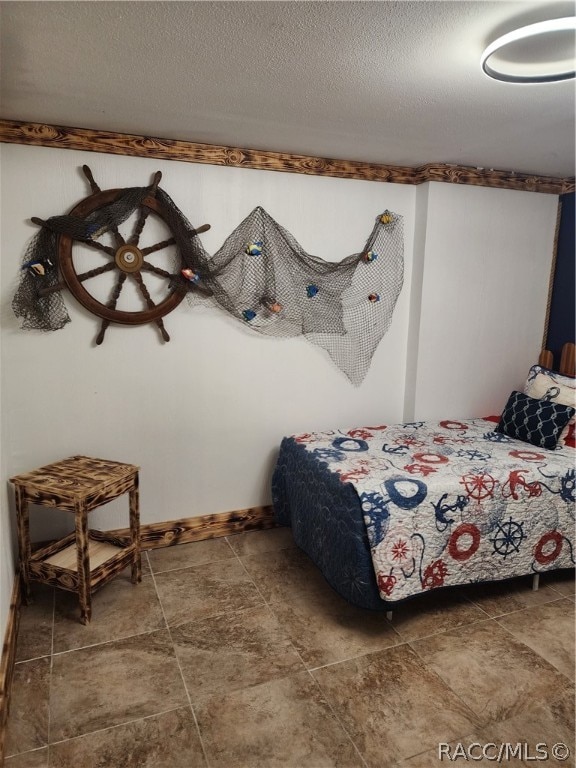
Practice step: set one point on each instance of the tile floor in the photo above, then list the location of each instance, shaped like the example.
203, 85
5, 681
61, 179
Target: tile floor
234, 653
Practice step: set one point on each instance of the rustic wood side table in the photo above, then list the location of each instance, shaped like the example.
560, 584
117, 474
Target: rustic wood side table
86, 559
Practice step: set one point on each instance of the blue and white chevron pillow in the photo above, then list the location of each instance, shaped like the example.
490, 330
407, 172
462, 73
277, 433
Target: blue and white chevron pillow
538, 422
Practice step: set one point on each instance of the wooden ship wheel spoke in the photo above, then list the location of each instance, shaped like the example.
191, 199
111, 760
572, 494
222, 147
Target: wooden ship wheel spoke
157, 246
125, 256
100, 247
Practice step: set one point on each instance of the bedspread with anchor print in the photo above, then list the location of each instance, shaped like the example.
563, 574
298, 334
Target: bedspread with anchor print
453, 502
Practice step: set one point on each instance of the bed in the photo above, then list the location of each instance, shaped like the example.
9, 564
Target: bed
389, 512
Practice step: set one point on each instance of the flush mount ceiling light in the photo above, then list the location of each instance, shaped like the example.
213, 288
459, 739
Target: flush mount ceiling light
537, 53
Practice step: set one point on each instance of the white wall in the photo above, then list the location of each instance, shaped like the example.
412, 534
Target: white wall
204, 414
415, 300
487, 261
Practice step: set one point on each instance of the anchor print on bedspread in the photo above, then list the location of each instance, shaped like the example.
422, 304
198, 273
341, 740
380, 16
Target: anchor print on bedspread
453, 502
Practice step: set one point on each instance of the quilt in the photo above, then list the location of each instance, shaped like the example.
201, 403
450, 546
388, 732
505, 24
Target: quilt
443, 503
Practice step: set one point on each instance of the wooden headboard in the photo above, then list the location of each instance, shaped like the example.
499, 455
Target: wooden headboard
567, 360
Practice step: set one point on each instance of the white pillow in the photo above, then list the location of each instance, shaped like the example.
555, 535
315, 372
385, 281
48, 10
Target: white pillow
544, 384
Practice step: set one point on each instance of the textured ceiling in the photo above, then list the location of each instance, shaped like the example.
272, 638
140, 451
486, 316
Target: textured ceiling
397, 83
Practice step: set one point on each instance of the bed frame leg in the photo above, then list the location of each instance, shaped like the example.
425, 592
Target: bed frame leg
535, 582
389, 615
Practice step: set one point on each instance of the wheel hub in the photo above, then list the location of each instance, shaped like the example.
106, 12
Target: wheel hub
129, 258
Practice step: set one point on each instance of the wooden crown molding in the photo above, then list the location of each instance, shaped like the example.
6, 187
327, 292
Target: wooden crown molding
40, 134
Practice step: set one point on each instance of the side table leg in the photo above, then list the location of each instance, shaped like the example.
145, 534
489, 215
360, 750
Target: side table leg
23, 519
83, 561
135, 530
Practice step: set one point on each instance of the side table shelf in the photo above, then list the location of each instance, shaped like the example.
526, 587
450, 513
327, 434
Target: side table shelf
57, 563
86, 559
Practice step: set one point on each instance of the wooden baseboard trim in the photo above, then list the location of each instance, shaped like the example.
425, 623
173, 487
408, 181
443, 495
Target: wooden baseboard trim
189, 529
88, 140
7, 661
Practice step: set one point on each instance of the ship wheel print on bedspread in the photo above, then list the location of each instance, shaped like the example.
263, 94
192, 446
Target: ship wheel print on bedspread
508, 537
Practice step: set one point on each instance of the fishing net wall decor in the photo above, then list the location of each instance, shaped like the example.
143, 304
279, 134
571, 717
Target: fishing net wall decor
261, 275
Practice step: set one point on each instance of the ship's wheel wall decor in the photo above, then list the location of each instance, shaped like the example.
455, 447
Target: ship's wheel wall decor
260, 275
